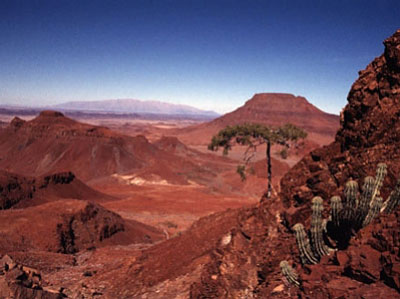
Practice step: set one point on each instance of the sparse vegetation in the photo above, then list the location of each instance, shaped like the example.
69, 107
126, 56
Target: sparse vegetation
252, 136
241, 171
283, 153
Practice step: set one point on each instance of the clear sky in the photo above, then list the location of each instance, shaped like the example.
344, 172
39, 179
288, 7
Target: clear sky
213, 55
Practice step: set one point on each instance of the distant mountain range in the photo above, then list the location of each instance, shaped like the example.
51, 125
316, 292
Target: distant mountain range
133, 106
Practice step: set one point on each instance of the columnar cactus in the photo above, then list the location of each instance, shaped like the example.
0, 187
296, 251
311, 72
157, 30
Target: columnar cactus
336, 207
393, 201
374, 211
289, 273
381, 172
351, 194
364, 204
318, 246
324, 226
303, 243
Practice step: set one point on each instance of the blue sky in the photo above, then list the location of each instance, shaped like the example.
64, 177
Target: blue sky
213, 55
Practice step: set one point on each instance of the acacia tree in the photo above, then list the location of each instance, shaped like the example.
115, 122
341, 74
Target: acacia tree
252, 136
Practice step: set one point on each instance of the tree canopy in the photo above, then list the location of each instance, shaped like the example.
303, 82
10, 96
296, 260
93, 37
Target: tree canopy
253, 135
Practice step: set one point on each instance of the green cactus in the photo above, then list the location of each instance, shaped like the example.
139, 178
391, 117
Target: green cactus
364, 204
351, 194
303, 243
289, 273
336, 207
381, 172
346, 217
393, 201
318, 246
374, 211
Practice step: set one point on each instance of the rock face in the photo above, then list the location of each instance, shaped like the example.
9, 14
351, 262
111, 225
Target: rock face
371, 117
369, 267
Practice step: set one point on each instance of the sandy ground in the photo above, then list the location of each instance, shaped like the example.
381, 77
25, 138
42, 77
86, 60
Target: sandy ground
172, 208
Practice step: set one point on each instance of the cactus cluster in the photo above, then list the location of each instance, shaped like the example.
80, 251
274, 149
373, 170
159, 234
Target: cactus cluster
346, 217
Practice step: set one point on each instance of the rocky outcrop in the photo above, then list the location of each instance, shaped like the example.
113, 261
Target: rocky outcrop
20, 192
371, 116
65, 226
14, 188
86, 227
369, 134
57, 178
19, 281
17, 123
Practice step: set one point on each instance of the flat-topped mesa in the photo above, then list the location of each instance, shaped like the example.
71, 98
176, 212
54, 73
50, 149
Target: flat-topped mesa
272, 97
276, 109
50, 113
284, 102
50, 118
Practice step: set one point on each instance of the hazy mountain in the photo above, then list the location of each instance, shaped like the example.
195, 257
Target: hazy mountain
134, 106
